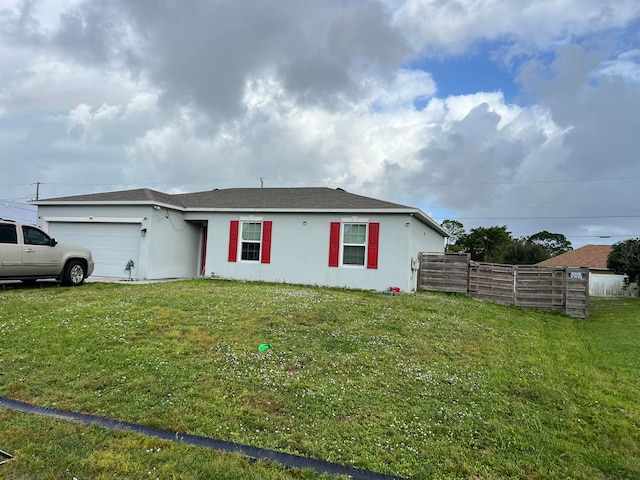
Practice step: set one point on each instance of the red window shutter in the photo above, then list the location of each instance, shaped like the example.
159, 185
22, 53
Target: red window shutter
266, 242
372, 246
334, 244
233, 240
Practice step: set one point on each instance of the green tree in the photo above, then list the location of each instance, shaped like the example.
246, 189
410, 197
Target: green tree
625, 259
456, 231
553, 243
523, 252
486, 244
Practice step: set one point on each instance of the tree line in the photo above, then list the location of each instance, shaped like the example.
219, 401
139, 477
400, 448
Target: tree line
497, 245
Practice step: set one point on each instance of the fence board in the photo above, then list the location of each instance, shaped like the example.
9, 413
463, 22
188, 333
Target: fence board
491, 282
444, 272
544, 288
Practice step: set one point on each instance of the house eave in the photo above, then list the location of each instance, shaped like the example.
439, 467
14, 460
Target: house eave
413, 212
112, 203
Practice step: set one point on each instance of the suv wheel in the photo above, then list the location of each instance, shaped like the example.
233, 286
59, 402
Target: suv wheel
74, 273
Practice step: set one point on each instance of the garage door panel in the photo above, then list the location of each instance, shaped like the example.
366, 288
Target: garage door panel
112, 244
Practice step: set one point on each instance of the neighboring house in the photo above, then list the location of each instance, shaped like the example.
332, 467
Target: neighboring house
602, 281
314, 236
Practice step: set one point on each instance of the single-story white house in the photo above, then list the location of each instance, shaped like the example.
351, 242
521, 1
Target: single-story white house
602, 281
312, 236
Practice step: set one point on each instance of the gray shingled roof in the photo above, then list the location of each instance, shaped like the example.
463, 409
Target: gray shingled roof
283, 198
143, 195
292, 199
309, 198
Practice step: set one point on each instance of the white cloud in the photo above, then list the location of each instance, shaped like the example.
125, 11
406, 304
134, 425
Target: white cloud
218, 94
407, 87
625, 65
460, 137
441, 27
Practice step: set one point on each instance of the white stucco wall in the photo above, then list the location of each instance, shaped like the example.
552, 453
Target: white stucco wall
173, 245
423, 239
601, 285
300, 251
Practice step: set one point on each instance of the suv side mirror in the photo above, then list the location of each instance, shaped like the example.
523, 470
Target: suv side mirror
53, 242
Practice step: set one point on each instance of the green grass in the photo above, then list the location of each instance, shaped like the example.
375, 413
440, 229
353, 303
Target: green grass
420, 386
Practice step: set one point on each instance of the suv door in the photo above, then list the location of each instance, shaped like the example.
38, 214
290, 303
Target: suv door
39, 257
10, 251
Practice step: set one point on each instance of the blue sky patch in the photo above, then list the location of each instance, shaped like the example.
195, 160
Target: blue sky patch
469, 75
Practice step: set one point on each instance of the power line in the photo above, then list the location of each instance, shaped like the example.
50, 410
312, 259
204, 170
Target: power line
499, 207
539, 218
16, 199
6, 205
589, 236
429, 184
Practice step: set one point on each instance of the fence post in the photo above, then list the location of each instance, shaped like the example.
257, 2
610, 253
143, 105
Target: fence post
515, 285
565, 287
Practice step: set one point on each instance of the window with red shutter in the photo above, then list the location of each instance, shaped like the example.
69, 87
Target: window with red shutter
354, 244
250, 240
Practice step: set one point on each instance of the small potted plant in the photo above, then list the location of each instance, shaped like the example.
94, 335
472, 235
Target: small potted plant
129, 267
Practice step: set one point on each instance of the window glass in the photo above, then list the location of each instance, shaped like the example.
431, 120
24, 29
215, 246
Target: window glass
250, 251
353, 255
8, 234
251, 236
251, 231
354, 239
355, 233
33, 236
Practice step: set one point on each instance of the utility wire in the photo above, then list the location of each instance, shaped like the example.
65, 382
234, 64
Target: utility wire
281, 180
33, 210
539, 218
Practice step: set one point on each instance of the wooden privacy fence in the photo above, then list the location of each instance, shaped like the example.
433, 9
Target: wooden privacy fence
564, 289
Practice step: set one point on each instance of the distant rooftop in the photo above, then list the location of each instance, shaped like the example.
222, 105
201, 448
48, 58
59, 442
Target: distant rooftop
592, 256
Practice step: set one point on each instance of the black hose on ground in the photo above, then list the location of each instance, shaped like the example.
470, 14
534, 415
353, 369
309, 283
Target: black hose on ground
286, 459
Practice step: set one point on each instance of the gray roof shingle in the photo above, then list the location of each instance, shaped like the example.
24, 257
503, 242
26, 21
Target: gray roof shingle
123, 196
309, 198
320, 199
306, 198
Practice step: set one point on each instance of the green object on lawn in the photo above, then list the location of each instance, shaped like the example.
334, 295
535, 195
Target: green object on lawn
263, 346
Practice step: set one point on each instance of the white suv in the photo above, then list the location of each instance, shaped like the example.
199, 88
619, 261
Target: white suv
29, 254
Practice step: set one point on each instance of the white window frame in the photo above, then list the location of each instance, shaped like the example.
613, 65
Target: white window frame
242, 241
343, 244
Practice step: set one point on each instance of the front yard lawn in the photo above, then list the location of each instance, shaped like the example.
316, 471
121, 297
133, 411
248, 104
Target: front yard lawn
420, 386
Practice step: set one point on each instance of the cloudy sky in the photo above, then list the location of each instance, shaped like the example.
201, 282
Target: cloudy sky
492, 112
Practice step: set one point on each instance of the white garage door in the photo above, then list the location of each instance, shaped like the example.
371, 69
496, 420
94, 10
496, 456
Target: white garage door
112, 244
